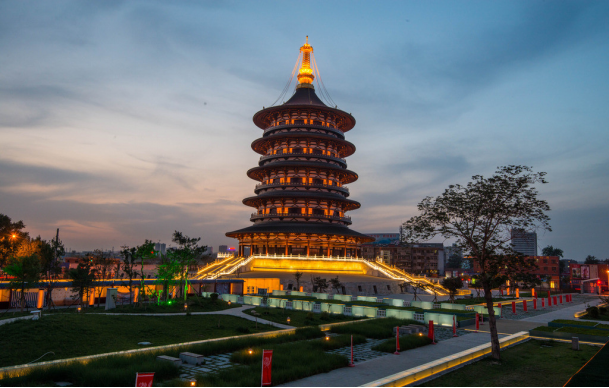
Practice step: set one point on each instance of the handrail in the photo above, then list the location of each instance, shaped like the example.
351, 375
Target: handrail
258, 216
307, 154
296, 184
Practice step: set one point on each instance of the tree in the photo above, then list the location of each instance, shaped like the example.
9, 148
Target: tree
336, 284
167, 273
454, 261
50, 252
83, 277
453, 285
129, 262
143, 253
185, 255
103, 264
591, 260
26, 273
297, 276
414, 285
480, 217
11, 235
320, 284
551, 251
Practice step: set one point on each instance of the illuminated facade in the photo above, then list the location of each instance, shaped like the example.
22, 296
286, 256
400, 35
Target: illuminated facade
301, 199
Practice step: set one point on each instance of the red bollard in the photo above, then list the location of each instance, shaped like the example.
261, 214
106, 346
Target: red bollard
431, 333
352, 364
560, 299
397, 340
535, 304
513, 307
518, 293
549, 301
554, 301
501, 292
543, 303
500, 310
533, 293
455, 326
524, 305
477, 322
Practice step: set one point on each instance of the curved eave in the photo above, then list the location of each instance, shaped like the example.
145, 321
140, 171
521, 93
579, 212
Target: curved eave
264, 117
261, 198
300, 228
253, 173
348, 147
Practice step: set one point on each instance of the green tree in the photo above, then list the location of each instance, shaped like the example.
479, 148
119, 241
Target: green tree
453, 285
336, 284
591, 260
129, 263
297, 276
144, 253
102, 263
11, 236
26, 273
186, 254
415, 286
480, 216
320, 284
83, 277
454, 261
50, 252
551, 251
168, 271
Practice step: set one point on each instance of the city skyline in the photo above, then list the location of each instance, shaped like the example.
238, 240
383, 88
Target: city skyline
126, 121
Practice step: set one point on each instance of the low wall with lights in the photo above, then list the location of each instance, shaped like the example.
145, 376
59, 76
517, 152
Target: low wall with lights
293, 265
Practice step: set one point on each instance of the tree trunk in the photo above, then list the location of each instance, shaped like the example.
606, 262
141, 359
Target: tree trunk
492, 324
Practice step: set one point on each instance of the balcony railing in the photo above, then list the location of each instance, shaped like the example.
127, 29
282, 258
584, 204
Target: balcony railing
257, 216
296, 184
298, 154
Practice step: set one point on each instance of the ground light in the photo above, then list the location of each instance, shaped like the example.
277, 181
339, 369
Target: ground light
185, 306
193, 382
327, 337
78, 309
250, 351
229, 302
288, 320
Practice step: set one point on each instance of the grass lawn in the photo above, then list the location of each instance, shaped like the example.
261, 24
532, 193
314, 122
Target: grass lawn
602, 316
406, 342
290, 362
373, 328
73, 335
120, 370
472, 301
298, 318
534, 364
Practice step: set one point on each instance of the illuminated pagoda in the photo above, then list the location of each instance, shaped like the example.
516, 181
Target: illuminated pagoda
301, 199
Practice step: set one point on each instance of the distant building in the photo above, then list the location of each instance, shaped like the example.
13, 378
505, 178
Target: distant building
591, 276
223, 249
548, 269
384, 238
524, 242
425, 258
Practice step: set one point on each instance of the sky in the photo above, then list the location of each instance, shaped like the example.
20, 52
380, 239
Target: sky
125, 121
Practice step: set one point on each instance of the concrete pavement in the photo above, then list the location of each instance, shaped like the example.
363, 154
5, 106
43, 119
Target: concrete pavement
368, 371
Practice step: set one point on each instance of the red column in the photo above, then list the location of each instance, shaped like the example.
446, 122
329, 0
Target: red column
535, 304
549, 300
477, 322
500, 310
554, 301
543, 303
513, 307
560, 299
524, 306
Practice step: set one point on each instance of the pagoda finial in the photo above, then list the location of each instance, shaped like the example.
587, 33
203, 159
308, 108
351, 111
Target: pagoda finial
305, 74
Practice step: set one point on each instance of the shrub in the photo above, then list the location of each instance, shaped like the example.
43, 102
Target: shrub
602, 310
310, 316
244, 330
593, 312
376, 328
325, 316
213, 297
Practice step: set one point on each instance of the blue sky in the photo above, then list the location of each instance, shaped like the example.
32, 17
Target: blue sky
121, 121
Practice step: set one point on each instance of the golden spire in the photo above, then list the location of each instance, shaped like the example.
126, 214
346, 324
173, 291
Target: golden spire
305, 74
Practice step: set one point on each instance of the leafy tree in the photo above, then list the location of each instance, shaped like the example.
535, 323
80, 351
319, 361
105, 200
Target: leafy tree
143, 253
320, 284
454, 261
591, 260
167, 273
50, 252
297, 276
186, 254
414, 285
83, 277
129, 263
480, 216
453, 285
11, 235
26, 273
551, 251
103, 264
336, 284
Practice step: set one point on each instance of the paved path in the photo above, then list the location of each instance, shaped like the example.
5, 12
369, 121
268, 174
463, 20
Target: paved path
387, 365
564, 313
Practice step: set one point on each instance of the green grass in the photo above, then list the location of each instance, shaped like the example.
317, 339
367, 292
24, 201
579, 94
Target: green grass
579, 330
120, 370
407, 342
594, 373
298, 318
602, 317
374, 328
572, 322
533, 363
545, 328
290, 362
472, 301
73, 335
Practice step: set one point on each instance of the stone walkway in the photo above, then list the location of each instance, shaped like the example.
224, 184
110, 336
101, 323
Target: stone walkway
213, 364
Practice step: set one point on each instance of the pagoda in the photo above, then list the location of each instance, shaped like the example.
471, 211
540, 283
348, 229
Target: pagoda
301, 199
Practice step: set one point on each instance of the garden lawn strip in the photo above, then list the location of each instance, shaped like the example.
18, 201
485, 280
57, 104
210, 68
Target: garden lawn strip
74, 335
298, 318
534, 363
373, 328
406, 342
